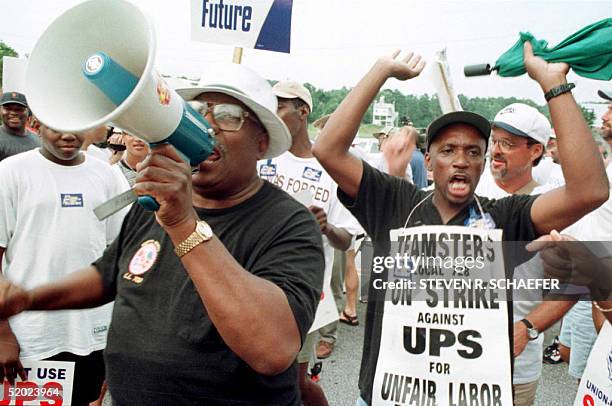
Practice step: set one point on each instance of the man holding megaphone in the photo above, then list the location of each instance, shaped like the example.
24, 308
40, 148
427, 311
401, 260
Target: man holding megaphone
214, 292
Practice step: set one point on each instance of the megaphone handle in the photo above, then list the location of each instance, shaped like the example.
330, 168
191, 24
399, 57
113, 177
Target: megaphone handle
148, 203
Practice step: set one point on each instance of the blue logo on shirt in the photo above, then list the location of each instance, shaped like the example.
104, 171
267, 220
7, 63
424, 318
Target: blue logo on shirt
312, 174
72, 200
477, 221
267, 170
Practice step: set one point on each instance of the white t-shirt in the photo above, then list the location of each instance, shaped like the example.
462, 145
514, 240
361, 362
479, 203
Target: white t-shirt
49, 229
597, 225
359, 153
548, 172
379, 162
528, 365
488, 188
100, 153
294, 174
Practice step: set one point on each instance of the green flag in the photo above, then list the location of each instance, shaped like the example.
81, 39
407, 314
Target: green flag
588, 52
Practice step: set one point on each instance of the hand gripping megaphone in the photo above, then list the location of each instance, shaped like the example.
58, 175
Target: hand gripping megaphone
94, 65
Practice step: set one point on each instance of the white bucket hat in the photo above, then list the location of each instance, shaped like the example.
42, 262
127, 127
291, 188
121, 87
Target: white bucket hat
251, 89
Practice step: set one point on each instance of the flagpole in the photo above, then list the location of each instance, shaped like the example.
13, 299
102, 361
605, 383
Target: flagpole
237, 55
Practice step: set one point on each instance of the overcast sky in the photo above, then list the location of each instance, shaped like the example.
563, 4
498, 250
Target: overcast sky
334, 42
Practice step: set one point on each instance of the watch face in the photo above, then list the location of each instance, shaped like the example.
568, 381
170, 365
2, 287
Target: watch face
532, 333
204, 229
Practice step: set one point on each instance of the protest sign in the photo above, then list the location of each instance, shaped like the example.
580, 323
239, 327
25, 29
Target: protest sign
258, 24
49, 383
13, 74
438, 341
441, 78
596, 384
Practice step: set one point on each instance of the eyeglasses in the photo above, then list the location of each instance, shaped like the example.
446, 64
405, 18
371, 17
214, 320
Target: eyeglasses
228, 117
507, 146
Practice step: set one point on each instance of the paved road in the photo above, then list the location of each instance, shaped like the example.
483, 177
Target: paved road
341, 369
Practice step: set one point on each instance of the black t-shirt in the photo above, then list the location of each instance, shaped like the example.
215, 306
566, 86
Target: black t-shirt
162, 348
15, 144
384, 203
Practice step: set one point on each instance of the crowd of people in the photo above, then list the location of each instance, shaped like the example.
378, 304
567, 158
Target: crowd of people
235, 286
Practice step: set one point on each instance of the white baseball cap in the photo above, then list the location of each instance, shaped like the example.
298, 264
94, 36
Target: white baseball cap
251, 89
524, 121
293, 90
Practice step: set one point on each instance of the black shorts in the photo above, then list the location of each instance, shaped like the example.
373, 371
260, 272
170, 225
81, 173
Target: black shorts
88, 375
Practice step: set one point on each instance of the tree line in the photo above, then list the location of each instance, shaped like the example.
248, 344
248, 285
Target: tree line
422, 109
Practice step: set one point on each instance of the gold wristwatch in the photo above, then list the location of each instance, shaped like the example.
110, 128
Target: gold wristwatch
202, 233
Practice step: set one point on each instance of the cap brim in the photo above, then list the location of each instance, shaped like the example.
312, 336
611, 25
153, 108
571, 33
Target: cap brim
279, 136
285, 95
14, 102
605, 94
459, 117
510, 129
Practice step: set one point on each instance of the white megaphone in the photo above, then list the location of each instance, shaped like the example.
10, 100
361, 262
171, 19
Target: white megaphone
94, 65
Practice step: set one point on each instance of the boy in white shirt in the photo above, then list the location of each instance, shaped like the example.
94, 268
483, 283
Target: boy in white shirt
47, 229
